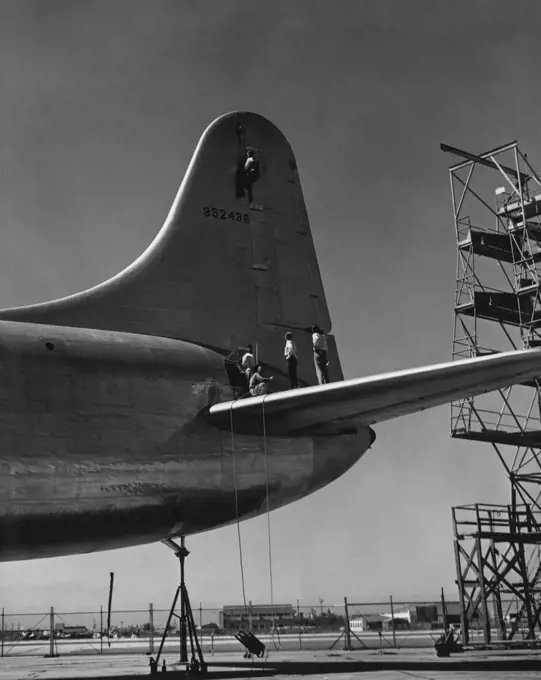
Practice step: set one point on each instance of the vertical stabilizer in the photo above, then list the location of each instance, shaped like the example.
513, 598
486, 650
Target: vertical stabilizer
234, 263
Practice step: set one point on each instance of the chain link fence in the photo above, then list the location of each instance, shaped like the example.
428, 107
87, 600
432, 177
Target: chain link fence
293, 626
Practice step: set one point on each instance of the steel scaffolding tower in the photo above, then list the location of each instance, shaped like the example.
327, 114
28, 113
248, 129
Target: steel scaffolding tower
497, 215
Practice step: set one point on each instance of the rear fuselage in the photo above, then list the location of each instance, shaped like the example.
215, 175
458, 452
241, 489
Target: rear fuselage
104, 444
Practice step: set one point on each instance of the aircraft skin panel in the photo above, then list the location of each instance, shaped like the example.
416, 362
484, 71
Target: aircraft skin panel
102, 444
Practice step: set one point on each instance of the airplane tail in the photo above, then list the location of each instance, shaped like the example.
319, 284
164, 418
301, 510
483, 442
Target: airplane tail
233, 264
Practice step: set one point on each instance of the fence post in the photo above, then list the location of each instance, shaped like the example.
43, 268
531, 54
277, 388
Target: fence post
101, 629
51, 633
2, 647
250, 616
299, 623
347, 629
444, 612
151, 623
392, 620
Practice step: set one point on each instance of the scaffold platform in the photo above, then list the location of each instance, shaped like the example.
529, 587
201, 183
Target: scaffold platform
507, 308
494, 245
521, 208
530, 439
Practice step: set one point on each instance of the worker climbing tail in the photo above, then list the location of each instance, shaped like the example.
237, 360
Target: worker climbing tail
234, 262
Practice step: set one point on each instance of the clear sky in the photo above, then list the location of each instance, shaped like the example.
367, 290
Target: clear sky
101, 106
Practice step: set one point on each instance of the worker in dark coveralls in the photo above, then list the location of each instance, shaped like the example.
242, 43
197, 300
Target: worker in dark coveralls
319, 343
290, 353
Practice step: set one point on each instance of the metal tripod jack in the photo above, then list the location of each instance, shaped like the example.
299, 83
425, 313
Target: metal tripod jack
187, 624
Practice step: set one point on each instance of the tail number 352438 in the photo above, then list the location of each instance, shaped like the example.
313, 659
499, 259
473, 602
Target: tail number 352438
221, 214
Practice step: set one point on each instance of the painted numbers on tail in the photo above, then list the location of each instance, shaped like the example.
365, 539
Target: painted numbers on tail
221, 214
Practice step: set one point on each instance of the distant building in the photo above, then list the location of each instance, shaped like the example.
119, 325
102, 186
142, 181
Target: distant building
416, 616
63, 630
261, 616
368, 622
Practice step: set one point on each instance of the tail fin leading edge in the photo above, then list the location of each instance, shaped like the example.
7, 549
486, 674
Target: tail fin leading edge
234, 262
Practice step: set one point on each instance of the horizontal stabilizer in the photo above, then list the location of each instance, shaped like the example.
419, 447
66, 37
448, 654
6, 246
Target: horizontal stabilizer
342, 406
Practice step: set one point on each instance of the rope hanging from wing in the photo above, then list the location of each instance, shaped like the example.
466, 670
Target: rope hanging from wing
237, 508
269, 535
237, 514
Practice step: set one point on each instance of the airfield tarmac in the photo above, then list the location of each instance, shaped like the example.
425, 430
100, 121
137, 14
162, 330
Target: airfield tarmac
365, 665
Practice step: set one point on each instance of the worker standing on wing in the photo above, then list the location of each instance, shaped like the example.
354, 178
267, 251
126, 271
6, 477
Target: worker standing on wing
290, 353
319, 343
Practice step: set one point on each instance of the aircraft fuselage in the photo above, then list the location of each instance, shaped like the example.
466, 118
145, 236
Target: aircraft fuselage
104, 444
